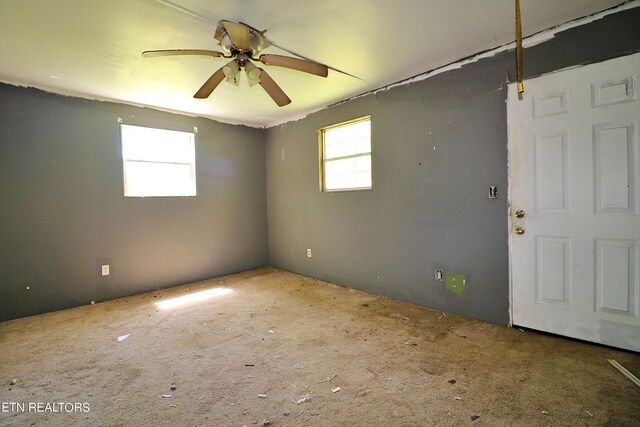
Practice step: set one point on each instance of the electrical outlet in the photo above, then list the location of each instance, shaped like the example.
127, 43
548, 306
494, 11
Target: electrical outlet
308, 253
105, 270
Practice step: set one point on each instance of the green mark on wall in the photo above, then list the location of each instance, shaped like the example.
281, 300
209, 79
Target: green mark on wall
455, 283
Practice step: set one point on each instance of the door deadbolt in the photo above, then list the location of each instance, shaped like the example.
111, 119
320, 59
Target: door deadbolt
519, 214
519, 230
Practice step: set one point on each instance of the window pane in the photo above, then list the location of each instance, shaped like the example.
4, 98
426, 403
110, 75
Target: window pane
364, 145
331, 151
350, 173
343, 182
347, 166
158, 179
339, 134
332, 168
158, 145
363, 164
349, 181
332, 182
361, 129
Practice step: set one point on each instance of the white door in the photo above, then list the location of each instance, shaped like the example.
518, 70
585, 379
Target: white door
573, 172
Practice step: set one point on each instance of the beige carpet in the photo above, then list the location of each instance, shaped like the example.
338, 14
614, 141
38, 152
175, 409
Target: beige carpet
280, 349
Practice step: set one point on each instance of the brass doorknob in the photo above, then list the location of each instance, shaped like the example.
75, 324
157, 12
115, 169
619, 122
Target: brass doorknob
519, 214
519, 230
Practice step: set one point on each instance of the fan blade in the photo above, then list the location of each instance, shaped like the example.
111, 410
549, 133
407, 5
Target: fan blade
175, 52
271, 42
210, 85
272, 88
303, 65
239, 35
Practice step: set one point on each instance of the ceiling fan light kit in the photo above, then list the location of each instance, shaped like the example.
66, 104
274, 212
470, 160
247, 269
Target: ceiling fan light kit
232, 72
253, 73
243, 43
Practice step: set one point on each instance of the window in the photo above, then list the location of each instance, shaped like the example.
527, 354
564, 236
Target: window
345, 156
158, 162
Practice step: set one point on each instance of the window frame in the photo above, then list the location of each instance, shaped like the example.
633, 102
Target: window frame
321, 159
192, 165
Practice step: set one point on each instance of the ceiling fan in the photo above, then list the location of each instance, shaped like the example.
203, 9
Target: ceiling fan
243, 43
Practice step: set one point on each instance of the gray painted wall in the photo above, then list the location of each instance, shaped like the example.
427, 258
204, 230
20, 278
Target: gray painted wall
437, 145
63, 214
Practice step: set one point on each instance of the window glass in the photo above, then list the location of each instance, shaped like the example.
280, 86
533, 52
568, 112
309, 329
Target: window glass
158, 162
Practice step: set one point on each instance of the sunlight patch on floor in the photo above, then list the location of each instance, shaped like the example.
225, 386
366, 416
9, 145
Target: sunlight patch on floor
194, 297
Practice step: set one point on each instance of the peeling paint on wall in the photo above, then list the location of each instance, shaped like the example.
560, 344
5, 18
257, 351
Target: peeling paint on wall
455, 283
529, 41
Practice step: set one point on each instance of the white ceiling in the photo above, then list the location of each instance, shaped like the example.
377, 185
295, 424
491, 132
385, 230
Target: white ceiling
92, 48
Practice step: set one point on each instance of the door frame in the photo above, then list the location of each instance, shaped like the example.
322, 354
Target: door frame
510, 88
